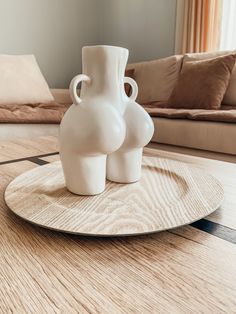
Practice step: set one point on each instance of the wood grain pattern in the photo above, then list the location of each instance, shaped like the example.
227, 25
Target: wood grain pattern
225, 172
170, 194
182, 271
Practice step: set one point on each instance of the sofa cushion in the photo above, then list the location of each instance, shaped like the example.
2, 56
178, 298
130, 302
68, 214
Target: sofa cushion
49, 113
21, 81
156, 79
230, 95
202, 84
210, 136
225, 114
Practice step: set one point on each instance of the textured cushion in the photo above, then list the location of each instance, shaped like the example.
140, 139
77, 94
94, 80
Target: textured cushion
38, 113
156, 79
202, 84
21, 81
230, 95
225, 114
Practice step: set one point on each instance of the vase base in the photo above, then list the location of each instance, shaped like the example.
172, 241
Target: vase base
84, 175
125, 166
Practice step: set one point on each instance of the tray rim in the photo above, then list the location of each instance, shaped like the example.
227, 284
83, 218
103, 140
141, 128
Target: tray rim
106, 235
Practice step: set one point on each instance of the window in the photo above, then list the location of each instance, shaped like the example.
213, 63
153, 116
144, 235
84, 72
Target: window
228, 26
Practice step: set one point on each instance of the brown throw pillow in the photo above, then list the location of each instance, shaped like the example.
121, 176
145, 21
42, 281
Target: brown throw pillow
129, 73
230, 94
202, 84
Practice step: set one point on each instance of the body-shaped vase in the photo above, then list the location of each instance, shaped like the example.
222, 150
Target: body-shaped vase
93, 126
103, 133
124, 165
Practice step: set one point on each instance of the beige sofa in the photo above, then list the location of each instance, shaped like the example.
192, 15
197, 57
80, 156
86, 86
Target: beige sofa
157, 79
204, 135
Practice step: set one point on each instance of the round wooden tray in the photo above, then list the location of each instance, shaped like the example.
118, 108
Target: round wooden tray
169, 194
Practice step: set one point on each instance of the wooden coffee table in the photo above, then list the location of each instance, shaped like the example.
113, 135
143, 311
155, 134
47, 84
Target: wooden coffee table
189, 269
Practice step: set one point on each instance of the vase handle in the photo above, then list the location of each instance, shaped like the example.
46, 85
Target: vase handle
134, 86
73, 87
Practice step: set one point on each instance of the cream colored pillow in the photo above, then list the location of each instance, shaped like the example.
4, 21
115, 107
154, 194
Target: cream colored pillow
230, 95
156, 79
21, 81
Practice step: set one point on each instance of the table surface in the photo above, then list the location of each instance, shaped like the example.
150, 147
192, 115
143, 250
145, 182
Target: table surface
187, 270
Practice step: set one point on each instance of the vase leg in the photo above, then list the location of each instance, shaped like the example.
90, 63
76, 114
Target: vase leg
84, 175
125, 166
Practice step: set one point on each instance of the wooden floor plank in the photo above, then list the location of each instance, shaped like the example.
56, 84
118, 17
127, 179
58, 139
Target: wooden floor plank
26, 148
51, 158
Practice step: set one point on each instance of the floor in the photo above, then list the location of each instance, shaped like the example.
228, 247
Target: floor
193, 152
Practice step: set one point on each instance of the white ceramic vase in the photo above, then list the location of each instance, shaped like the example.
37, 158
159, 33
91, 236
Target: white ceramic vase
103, 122
125, 164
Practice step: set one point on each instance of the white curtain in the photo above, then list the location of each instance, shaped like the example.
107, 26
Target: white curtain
228, 28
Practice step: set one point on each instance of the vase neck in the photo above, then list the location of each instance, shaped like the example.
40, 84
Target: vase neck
105, 66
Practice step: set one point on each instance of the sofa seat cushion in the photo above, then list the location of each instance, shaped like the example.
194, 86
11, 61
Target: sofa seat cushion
50, 113
225, 114
205, 135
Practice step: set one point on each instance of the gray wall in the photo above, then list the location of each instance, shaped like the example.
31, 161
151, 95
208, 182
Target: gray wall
53, 30
145, 27
56, 30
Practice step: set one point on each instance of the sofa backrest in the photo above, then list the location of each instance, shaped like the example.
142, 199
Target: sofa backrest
157, 78
61, 96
